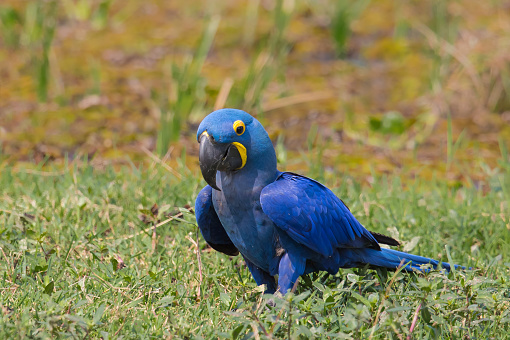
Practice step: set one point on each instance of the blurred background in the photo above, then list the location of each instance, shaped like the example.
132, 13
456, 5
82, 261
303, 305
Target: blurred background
414, 88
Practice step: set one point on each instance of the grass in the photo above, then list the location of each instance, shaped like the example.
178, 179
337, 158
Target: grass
187, 97
345, 13
402, 112
268, 61
78, 261
34, 30
109, 78
186, 93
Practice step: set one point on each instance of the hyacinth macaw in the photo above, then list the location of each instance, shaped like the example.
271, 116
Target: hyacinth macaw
282, 223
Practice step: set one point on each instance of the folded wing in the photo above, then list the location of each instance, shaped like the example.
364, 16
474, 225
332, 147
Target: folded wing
312, 215
210, 226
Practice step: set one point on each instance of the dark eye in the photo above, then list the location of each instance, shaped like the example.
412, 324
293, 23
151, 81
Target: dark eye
239, 127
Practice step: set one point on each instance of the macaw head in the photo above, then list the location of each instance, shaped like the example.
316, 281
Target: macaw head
233, 141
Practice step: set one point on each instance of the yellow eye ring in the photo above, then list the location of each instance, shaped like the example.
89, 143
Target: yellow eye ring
239, 127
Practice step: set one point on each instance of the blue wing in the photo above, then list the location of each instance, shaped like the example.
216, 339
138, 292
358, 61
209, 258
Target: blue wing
312, 215
210, 226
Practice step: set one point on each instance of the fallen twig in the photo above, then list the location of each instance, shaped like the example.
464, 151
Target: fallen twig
160, 162
199, 259
146, 230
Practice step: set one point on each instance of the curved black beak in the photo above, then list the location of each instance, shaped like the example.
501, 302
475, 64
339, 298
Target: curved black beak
215, 156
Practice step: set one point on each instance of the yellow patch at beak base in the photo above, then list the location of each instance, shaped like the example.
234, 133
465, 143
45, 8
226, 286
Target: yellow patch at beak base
242, 151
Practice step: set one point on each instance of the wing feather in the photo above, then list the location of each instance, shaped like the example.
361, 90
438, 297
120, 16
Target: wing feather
312, 215
210, 226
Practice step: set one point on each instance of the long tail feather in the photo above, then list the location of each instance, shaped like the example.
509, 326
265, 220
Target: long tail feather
393, 259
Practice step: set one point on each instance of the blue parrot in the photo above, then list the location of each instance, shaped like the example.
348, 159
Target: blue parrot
282, 223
